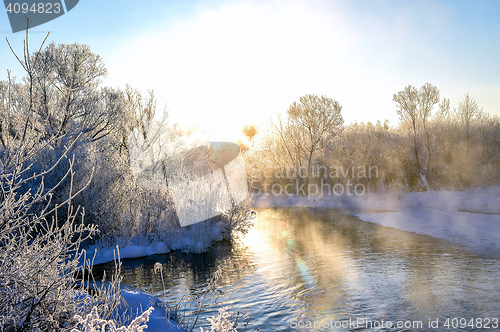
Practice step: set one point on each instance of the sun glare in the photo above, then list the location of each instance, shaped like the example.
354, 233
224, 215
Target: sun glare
241, 64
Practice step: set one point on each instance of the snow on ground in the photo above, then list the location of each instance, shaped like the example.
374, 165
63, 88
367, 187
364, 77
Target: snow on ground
480, 233
483, 201
158, 321
469, 218
98, 255
133, 305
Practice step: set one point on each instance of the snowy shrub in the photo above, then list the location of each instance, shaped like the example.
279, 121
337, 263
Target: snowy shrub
40, 247
221, 323
130, 214
94, 323
226, 321
38, 257
238, 220
41, 231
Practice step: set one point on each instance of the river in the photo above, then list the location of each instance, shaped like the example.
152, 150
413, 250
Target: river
320, 270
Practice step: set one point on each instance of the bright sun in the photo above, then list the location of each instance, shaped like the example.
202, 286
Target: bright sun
242, 64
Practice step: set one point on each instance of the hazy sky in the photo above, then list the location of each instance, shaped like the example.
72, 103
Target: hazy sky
224, 64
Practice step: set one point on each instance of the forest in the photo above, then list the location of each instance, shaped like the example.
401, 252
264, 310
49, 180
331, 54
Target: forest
309, 149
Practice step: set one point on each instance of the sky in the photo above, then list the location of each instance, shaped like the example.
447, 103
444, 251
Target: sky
223, 64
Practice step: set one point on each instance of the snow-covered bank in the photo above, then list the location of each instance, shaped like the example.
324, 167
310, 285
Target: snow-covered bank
142, 312
158, 322
196, 239
468, 218
480, 233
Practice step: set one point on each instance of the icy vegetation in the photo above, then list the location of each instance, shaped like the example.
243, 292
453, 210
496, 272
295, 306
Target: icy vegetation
220, 323
93, 323
66, 187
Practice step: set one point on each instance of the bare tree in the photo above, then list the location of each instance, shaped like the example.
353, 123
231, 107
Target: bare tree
428, 98
67, 92
407, 109
444, 110
249, 131
466, 111
308, 124
415, 107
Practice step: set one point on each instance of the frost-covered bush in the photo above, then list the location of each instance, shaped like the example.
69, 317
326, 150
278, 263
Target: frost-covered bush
38, 257
93, 322
226, 321
129, 214
40, 247
221, 322
41, 230
238, 220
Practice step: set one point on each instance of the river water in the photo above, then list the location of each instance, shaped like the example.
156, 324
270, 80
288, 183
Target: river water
319, 270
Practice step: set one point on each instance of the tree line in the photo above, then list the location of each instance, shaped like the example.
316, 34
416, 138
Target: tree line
434, 146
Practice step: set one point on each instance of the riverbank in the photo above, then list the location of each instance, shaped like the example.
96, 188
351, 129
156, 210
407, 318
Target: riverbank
469, 218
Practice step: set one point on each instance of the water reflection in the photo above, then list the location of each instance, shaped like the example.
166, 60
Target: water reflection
318, 265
